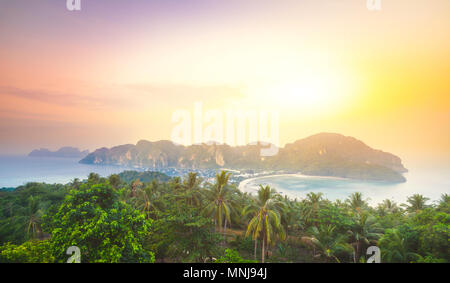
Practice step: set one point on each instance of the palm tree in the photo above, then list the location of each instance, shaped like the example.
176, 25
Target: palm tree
33, 216
220, 200
394, 248
75, 183
192, 192
445, 199
327, 243
289, 214
241, 200
364, 230
387, 207
94, 178
339, 203
135, 186
444, 203
313, 203
248, 216
145, 200
266, 221
416, 203
356, 202
390, 205
175, 183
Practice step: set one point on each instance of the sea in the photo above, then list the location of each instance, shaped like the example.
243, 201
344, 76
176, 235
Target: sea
19, 170
430, 180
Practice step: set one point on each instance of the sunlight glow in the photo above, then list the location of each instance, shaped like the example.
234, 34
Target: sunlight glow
311, 91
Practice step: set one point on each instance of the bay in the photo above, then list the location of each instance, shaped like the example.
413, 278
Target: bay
431, 182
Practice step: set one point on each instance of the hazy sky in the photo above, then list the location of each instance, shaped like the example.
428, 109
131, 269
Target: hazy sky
115, 71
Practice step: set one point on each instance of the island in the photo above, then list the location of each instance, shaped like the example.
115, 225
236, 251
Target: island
324, 154
63, 152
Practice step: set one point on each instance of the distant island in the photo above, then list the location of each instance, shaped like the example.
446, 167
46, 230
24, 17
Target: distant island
324, 154
63, 152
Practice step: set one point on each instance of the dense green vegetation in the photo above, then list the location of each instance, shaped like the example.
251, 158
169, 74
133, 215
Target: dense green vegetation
147, 176
125, 219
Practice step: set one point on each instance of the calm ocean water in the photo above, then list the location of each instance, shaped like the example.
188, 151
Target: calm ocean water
430, 182
18, 170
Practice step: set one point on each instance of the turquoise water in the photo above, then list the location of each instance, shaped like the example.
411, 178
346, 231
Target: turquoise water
18, 170
428, 182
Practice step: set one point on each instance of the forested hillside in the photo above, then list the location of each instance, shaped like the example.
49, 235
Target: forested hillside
189, 220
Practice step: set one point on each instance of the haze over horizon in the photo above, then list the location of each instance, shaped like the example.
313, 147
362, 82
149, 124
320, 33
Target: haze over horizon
114, 72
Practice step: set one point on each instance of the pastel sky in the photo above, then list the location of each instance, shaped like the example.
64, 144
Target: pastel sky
116, 71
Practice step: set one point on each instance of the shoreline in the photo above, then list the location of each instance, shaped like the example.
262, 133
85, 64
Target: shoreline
242, 185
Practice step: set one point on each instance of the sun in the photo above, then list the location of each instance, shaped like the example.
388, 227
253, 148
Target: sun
309, 91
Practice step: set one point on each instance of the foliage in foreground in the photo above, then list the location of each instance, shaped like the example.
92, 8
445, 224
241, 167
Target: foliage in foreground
189, 220
103, 228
